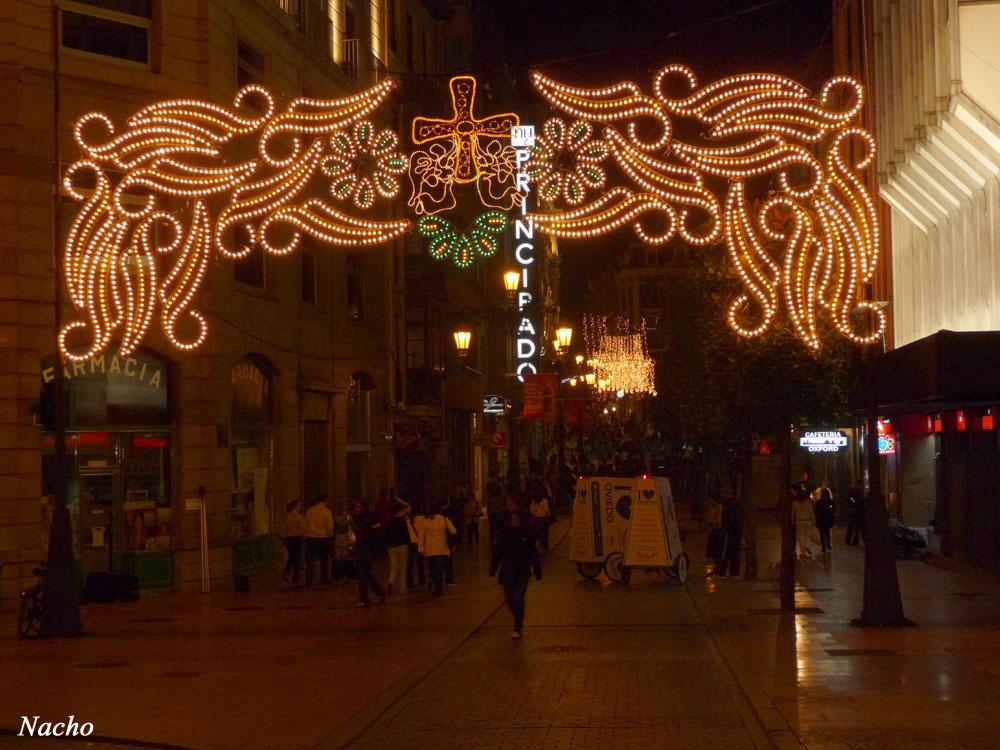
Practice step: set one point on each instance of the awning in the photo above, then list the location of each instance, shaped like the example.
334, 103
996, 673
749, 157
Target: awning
943, 370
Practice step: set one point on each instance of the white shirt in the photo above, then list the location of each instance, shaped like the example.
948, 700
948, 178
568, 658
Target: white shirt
433, 535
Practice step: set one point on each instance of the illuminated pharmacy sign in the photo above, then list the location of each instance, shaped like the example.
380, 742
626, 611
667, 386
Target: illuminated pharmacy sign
525, 331
829, 441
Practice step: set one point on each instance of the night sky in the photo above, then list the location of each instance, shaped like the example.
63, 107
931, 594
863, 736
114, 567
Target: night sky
598, 42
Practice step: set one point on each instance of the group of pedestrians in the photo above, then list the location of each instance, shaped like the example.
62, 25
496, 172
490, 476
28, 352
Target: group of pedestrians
814, 514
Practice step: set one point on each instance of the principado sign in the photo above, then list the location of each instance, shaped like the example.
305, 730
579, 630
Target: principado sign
493, 404
823, 441
525, 332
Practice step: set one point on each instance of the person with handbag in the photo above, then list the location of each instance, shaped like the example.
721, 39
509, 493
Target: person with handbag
434, 531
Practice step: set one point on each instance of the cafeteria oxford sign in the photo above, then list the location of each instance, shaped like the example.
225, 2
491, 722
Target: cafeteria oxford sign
823, 441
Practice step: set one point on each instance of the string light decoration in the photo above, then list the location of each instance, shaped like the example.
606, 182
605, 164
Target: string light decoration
620, 360
565, 162
444, 241
364, 164
159, 196
463, 149
813, 242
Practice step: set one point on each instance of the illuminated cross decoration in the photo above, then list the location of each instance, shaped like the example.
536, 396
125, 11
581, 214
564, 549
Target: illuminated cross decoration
463, 128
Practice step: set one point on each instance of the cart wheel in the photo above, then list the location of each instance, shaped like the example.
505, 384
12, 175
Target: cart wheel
590, 571
614, 567
681, 568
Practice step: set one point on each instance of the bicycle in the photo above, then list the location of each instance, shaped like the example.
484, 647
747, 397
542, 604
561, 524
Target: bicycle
29, 617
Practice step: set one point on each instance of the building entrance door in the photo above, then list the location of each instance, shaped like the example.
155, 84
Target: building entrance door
100, 521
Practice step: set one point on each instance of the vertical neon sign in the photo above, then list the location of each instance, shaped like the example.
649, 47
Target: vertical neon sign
525, 331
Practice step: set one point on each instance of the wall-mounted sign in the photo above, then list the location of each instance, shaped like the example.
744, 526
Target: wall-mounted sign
498, 441
823, 441
525, 332
887, 444
522, 136
493, 404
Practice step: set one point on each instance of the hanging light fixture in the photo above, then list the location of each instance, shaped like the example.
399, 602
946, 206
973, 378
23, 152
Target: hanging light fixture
564, 336
463, 339
511, 281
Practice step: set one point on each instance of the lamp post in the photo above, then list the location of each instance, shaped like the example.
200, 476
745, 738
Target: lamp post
564, 338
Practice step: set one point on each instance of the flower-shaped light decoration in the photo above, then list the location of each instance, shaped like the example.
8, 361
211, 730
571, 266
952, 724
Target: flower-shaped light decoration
444, 240
566, 161
364, 164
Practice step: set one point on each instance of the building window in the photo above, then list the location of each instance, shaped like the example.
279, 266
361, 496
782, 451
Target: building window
355, 289
111, 28
359, 430
249, 269
249, 64
409, 42
308, 277
390, 23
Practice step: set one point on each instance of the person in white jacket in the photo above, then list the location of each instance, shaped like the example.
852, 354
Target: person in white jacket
433, 543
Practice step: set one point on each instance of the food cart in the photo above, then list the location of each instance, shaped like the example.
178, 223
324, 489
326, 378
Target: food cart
621, 523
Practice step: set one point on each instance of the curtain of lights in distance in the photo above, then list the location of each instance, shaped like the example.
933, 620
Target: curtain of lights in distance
620, 358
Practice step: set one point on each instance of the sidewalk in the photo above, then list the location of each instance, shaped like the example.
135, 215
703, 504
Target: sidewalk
277, 667
817, 681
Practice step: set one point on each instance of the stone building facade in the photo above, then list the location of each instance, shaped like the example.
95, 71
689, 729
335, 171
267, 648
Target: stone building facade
291, 395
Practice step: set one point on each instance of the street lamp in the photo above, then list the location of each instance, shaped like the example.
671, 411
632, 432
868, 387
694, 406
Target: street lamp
579, 359
591, 378
564, 336
511, 281
463, 338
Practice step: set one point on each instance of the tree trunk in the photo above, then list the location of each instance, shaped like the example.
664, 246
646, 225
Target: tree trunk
882, 603
749, 512
786, 570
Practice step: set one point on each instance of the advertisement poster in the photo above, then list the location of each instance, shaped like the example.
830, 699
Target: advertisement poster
540, 395
601, 511
653, 540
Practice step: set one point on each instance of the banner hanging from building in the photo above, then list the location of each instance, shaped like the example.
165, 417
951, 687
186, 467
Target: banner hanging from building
540, 391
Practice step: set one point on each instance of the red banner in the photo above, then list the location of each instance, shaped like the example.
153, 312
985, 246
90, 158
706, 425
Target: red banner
540, 392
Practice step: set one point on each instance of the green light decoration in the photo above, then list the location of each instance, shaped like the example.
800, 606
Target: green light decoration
445, 241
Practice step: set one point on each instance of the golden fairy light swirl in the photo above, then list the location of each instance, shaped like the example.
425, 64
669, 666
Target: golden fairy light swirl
160, 196
813, 242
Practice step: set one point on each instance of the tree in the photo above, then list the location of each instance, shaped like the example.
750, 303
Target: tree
720, 390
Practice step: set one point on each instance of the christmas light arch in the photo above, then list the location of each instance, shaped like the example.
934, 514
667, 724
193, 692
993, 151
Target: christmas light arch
763, 126
159, 196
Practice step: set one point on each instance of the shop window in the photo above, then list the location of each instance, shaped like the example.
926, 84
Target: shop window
118, 29
355, 289
252, 446
249, 64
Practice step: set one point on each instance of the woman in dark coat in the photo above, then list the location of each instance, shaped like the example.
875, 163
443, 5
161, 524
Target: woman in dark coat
515, 558
826, 516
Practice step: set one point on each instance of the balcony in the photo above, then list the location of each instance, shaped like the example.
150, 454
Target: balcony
355, 57
308, 18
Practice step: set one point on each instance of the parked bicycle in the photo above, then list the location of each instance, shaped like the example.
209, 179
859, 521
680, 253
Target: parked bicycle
29, 617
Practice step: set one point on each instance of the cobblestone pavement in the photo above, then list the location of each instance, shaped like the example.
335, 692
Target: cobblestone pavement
599, 666
653, 665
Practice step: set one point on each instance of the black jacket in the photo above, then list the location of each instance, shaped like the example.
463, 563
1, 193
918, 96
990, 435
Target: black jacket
515, 556
367, 537
396, 533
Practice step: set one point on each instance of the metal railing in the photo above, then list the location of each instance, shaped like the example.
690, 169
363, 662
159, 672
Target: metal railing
310, 20
352, 49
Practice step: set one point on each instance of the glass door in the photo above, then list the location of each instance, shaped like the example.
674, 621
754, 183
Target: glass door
99, 520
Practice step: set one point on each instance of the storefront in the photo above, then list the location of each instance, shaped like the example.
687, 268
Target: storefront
119, 463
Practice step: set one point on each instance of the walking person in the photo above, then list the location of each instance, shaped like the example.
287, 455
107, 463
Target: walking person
434, 530
826, 516
415, 574
494, 506
802, 517
342, 565
515, 558
473, 513
366, 550
732, 537
541, 519
855, 516
397, 539
295, 529
318, 531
